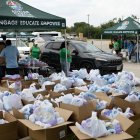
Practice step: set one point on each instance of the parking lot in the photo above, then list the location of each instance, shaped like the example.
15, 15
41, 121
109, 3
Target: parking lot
131, 67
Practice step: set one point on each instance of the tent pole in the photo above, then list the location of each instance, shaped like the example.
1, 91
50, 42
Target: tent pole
16, 38
137, 48
101, 40
66, 51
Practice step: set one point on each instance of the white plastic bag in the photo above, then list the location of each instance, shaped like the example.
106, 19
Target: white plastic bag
59, 88
78, 82
66, 82
1, 105
12, 101
93, 127
47, 83
27, 94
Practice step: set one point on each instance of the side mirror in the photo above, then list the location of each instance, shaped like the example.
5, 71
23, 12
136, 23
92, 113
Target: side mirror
75, 52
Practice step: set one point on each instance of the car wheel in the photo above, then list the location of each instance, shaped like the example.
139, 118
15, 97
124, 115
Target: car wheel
88, 66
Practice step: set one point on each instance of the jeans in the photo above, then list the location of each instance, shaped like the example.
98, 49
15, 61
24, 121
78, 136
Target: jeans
65, 67
12, 71
2, 71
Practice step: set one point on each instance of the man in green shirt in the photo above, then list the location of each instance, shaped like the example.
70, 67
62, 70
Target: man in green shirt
35, 51
65, 58
116, 46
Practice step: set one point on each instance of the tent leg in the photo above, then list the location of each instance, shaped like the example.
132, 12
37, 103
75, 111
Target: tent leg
137, 48
101, 41
16, 39
66, 53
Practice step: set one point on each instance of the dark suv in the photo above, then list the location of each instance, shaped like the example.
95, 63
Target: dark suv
84, 55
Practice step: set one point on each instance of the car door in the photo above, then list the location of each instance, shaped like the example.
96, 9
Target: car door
75, 57
53, 54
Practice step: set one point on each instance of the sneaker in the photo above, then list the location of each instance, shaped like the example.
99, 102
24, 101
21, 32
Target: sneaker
129, 61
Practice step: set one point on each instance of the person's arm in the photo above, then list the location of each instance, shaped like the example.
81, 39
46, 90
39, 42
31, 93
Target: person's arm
18, 55
2, 57
2, 60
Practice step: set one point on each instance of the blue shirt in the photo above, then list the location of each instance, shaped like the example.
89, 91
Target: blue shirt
10, 53
130, 47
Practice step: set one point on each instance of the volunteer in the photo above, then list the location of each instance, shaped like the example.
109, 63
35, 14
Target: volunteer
2, 63
10, 55
65, 61
35, 50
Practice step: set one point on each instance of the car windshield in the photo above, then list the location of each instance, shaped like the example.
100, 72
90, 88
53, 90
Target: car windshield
86, 47
19, 43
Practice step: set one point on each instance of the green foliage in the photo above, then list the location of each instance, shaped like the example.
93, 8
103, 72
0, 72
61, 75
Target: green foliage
90, 31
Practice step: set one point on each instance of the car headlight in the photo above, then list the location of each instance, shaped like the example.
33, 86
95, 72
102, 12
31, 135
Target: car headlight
100, 59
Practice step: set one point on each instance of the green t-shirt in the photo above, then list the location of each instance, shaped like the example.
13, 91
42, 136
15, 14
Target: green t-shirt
120, 43
35, 52
116, 45
63, 55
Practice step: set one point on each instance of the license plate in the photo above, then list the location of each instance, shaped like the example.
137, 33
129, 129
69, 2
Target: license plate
119, 67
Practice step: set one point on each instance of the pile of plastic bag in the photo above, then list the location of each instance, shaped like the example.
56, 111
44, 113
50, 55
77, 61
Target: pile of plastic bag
42, 114
70, 99
95, 128
9, 101
113, 113
134, 96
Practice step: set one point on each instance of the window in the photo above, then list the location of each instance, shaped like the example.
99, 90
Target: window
56, 45
49, 46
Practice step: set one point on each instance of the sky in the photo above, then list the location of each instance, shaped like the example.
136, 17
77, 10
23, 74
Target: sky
99, 11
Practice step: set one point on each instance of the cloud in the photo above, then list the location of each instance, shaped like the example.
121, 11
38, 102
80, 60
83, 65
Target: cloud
100, 11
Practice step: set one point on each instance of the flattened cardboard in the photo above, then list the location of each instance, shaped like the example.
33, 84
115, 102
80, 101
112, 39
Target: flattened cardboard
81, 136
79, 113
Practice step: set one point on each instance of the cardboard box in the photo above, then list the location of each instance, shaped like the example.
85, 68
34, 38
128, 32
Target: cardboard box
25, 84
22, 129
120, 102
49, 87
58, 132
8, 131
2, 89
73, 91
125, 123
103, 96
132, 130
123, 104
43, 93
54, 95
79, 112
